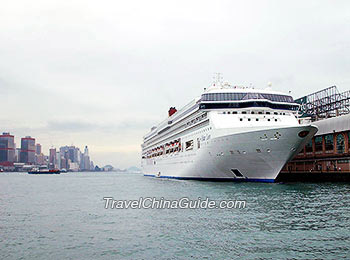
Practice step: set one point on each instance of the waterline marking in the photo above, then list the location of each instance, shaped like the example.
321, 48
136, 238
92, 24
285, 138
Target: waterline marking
183, 203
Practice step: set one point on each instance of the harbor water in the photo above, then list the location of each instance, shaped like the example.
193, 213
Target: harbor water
63, 217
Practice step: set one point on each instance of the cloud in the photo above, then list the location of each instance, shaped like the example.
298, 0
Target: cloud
84, 126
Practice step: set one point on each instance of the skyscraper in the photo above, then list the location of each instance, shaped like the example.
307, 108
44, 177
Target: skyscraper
86, 160
7, 149
38, 149
72, 152
58, 160
27, 154
52, 158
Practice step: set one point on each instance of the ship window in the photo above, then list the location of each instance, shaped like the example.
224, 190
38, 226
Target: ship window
275, 113
241, 119
275, 120
318, 143
260, 113
268, 119
189, 145
329, 142
234, 112
252, 112
267, 113
340, 143
244, 112
257, 119
240, 96
228, 112
308, 147
248, 119
224, 112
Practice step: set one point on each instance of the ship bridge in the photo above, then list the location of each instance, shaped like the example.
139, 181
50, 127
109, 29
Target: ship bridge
244, 98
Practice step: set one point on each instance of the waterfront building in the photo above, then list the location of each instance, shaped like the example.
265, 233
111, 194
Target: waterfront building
64, 163
73, 166
38, 149
72, 153
40, 159
17, 155
85, 165
27, 154
92, 166
58, 160
52, 158
329, 149
7, 149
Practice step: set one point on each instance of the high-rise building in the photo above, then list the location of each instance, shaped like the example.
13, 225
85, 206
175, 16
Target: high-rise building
17, 154
40, 159
72, 153
92, 166
85, 160
27, 154
52, 158
38, 149
7, 149
58, 160
64, 163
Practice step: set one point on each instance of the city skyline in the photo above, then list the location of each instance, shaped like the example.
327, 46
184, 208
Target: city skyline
85, 73
30, 152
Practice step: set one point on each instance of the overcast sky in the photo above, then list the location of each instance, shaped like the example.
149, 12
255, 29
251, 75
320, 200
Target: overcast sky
102, 73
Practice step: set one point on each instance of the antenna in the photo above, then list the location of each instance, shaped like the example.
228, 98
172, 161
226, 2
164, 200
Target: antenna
218, 79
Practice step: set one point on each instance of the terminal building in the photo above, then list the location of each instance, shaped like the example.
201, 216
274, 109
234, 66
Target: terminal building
329, 150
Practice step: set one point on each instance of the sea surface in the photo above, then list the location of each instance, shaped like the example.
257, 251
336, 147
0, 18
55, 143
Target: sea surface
63, 217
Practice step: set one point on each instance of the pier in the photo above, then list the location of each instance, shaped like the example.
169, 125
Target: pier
327, 156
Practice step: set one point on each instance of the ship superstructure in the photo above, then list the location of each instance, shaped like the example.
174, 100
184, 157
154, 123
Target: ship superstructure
228, 133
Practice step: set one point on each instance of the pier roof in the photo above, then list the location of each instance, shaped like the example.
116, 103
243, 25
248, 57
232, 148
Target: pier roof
334, 124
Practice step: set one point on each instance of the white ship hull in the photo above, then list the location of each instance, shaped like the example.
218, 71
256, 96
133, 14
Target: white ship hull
257, 155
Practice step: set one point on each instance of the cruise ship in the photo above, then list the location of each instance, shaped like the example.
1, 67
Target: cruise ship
228, 133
